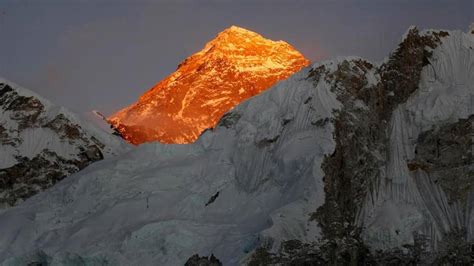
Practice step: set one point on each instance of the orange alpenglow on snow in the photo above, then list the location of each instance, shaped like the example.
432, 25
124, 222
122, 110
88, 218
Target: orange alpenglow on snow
236, 65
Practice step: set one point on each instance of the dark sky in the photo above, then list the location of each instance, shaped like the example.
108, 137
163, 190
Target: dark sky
103, 54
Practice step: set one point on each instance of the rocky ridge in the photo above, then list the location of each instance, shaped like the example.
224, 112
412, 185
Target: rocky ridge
366, 162
42, 143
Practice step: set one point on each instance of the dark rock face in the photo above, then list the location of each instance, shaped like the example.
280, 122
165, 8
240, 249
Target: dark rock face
125, 131
32, 174
196, 260
267, 141
6, 139
445, 153
351, 169
40, 258
414, 254
293, 252
361, 140
212, 199
28, 177
25, 110
229, 119
62, 126
454, 250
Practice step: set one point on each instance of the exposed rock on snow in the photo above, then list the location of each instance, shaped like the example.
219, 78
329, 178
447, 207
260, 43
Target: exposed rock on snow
196, 260
407, 201
376, 210
212, 199
358, 163
445, 154
41, 144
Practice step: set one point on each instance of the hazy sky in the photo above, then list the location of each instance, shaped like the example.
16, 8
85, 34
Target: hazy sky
103, 54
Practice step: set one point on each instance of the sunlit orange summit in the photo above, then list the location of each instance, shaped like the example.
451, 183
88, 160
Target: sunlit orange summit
236, 65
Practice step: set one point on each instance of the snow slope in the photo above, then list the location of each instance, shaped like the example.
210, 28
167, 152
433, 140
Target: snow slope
148, 206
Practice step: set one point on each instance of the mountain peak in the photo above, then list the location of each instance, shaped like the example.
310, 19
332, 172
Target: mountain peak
236, 29
238, 33
241, 40
235, 65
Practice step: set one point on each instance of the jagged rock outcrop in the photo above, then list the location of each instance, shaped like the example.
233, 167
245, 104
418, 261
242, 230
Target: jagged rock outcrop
445, 153
362, 146
410, 200
41, 144
40, 258
367, 158
197, 260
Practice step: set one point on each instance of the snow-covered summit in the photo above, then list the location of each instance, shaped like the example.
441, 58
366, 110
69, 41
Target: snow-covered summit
234, 66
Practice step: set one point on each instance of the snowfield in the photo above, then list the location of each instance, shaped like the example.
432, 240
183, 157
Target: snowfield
147, 206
